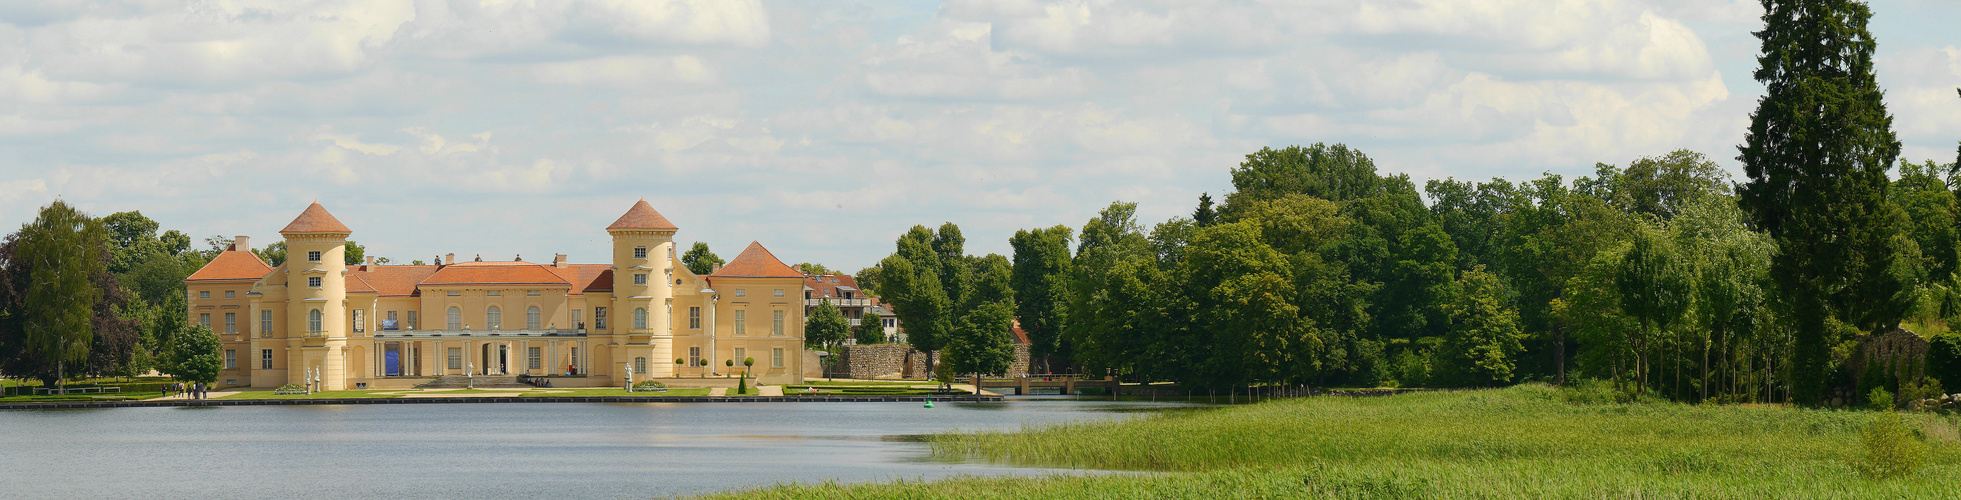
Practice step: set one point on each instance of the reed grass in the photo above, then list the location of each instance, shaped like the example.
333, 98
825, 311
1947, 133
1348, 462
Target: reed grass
1529, 441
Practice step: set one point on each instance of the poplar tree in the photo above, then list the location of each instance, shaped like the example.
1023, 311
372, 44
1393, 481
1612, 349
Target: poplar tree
1816, 154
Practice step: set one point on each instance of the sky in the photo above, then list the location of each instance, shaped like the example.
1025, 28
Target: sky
824, 129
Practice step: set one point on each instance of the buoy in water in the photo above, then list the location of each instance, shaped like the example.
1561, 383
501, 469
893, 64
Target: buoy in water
929, 402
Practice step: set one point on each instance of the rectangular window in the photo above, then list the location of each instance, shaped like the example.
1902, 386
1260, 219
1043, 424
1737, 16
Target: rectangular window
532, 293
265, 359
694, 318
231, 323
455, 358
360, 321
204, 295
392, 323
741, 292
231, 359
313, 256
741, 322
313, 282
599, 318
455, 293
534, 358
739, 354
640, 279
694, 356
639, 252
776, 326
231, 294
777, 293
265, 324
412, 320
776, 357
204, 319
578, 319
494, 293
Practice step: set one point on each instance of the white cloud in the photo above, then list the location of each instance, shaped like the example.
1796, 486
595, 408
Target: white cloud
824, 129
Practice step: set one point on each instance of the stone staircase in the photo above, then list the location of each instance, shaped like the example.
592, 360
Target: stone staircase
482, 382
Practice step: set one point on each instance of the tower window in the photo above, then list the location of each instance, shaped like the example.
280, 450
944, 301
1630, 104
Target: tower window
639, 252
313, 256
640, 279
313, 320
639, 318
313, 282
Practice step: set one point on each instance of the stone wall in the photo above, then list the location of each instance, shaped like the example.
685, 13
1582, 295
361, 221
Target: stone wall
898, 361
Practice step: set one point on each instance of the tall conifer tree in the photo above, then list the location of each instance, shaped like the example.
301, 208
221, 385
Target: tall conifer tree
1817, 152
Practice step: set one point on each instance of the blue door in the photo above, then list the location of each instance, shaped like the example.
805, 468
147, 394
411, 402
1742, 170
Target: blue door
393, 362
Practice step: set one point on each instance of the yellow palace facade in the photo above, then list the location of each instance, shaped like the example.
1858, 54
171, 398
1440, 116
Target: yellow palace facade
584, 325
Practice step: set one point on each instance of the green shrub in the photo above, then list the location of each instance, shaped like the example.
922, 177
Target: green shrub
1944, 359
1891, 450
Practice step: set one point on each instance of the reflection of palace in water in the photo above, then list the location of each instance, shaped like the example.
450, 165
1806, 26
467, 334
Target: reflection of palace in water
399, 326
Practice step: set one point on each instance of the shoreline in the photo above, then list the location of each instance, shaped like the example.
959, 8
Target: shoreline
962, 398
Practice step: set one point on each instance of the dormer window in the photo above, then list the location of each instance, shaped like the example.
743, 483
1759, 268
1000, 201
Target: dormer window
639, 252
313, 256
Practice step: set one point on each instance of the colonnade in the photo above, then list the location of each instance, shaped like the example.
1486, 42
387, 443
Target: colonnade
430, 357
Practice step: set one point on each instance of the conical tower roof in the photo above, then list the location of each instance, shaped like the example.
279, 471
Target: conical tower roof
642, 216
315, 220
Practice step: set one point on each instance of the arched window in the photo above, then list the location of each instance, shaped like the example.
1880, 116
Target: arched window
493, 319
455, 318
640, 318
640, 365
531, 318
313, 320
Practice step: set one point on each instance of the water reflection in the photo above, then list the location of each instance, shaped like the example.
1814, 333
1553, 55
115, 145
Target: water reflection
498, 450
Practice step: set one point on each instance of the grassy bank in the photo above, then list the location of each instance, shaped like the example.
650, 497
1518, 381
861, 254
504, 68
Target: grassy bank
1521, 442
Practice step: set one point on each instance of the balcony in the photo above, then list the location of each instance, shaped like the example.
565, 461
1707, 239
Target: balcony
838, 302
547, 333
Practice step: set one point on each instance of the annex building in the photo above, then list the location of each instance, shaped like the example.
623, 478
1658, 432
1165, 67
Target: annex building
584, 325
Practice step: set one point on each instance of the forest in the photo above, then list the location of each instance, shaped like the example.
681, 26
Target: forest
1828, 271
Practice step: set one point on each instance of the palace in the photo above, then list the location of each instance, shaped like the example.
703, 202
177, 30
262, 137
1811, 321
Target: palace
585, 325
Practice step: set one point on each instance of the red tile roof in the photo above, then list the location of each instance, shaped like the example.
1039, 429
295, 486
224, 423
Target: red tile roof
315, 220
756, 262
396, 281
495, 273
586, 277
641, 216
1021, 337
833, 286
232, 265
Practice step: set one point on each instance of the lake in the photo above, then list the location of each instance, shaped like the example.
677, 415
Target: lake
525, 450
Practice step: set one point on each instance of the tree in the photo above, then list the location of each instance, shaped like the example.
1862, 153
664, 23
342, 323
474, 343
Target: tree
275, 254
870, 330
825, 328
814, 269
701, 261
1484, 339
1656, 290
1816, 154
194, 355
353, 253
1205, 215
919, 301
1040, 281
56, 269
868, 281
981, 344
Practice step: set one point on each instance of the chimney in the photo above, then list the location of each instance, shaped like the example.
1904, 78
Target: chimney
450, 259
713, 268
242, 243
370, 261
558, 260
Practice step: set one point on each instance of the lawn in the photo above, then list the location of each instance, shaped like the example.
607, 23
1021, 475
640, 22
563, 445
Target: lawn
1530, 441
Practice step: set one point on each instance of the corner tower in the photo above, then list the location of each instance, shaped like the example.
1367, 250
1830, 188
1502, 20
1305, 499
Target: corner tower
316, 294
643, 286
